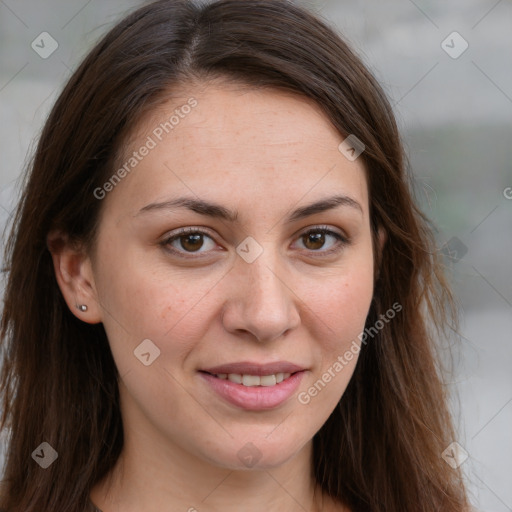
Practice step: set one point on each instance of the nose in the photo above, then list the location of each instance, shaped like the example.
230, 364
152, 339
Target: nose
262, 301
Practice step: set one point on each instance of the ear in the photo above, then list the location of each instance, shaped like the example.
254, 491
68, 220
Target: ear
75, 278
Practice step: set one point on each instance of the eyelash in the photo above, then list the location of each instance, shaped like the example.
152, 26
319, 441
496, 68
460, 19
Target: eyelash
342, 241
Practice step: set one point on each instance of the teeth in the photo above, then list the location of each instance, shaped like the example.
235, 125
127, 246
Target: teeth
251, 380
235, 377
268, 380
254, 380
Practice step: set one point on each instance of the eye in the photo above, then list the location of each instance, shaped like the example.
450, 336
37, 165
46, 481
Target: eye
191, 240
188, 240
315, 239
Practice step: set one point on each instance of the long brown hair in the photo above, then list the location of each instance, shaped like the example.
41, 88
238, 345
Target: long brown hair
380, 450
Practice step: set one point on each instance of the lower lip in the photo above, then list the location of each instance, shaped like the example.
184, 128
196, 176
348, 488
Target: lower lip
254, 398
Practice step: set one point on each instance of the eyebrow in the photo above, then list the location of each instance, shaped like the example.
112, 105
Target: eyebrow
214, 210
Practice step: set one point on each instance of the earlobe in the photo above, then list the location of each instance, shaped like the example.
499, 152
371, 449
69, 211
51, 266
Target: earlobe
74, 276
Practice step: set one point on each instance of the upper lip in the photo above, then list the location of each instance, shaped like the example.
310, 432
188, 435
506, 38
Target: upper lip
249, 368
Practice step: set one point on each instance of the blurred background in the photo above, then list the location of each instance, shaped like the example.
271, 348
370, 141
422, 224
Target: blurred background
447, 68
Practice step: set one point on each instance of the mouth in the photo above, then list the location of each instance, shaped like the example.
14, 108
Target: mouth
253, 380
252, 386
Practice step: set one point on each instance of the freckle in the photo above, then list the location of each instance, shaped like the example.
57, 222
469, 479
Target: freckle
165, 312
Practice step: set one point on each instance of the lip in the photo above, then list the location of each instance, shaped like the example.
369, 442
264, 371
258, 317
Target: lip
259, 369
254, 398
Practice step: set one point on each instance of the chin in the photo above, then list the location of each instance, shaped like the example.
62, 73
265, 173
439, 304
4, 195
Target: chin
260, 454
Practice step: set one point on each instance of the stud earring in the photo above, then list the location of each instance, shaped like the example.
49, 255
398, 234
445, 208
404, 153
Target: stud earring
82, 307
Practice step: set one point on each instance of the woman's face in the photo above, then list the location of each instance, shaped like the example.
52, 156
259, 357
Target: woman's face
246, 291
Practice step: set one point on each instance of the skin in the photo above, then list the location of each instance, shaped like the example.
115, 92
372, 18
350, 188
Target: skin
263, 153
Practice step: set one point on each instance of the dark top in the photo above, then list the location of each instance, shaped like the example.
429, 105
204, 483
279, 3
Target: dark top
90, 508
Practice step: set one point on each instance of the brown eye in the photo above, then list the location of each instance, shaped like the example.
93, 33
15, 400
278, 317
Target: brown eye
192, 240
189, 240
315, 239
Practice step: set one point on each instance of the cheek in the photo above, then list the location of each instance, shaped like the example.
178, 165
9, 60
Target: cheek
137, 292
341, 312
342, 302
346, 303
142, 301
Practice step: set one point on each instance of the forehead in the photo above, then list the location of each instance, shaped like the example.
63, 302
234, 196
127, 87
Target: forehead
238, 142
230, 115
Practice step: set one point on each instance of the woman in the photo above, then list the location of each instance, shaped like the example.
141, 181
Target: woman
221, 293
